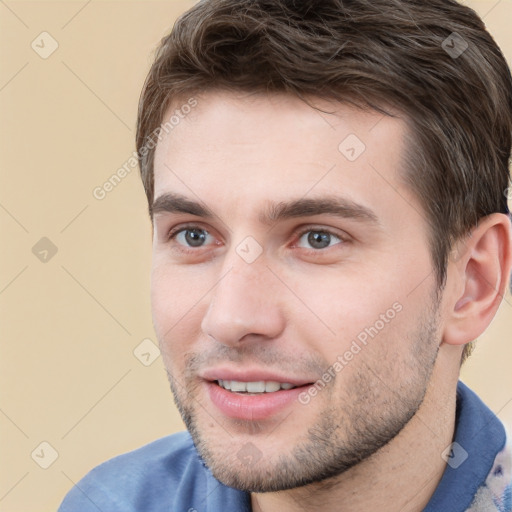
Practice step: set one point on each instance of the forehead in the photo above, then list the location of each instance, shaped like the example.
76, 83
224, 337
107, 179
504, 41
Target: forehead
232, 147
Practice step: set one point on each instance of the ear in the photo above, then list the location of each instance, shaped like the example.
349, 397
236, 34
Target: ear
477, 279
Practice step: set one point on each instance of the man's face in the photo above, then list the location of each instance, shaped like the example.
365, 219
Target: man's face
276, 289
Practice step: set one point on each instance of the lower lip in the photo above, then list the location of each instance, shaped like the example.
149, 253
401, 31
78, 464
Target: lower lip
252, 407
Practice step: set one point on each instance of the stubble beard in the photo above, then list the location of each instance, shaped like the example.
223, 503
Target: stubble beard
369, 411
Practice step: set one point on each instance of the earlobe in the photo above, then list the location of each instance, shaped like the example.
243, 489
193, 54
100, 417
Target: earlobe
481, 272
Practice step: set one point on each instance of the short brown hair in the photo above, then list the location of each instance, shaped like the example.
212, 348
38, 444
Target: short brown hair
433, 61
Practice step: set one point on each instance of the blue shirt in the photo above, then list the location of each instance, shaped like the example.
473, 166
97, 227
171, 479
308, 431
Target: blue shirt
168, 475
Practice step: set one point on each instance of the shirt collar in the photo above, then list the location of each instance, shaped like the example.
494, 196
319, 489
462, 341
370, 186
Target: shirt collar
479, 437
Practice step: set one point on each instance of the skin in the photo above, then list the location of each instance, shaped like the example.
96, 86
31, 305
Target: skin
373, 437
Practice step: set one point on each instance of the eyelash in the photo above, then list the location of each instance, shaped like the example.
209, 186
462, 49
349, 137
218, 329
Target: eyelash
174, 232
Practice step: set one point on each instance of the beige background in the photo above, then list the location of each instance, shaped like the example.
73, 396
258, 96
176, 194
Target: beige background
70, 325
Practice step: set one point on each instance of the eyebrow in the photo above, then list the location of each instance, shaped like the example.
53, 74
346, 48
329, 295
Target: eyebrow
275, 211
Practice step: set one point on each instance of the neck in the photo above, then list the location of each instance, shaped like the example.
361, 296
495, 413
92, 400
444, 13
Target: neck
402, 475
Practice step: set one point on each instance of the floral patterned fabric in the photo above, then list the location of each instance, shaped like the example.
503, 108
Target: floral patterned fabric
495, 495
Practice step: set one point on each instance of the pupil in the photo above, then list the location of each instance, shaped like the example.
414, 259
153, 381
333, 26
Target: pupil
319, 240
194, 237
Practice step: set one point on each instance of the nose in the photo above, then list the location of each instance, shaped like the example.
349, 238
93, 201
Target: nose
244, 305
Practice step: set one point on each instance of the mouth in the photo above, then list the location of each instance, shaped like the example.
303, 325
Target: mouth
254, 388
254, 400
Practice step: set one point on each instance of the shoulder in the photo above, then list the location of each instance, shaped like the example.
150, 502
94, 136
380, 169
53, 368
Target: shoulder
152, 478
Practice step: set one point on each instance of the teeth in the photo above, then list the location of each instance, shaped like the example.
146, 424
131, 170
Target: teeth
238, 386
254, 387
270, 387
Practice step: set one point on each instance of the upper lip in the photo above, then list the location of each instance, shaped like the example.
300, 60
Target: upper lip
251, 375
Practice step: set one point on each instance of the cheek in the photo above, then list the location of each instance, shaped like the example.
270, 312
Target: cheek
347, 312
163, 301
345, 303
175, 291
178, 302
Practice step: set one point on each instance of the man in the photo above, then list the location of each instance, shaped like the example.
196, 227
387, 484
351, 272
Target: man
327, 186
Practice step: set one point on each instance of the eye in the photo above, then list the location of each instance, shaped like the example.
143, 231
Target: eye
189, 236
319, 239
